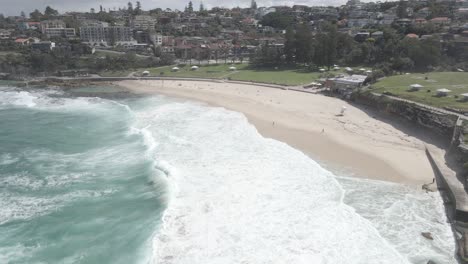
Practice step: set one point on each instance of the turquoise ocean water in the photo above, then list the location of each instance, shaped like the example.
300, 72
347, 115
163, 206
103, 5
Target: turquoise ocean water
159, 180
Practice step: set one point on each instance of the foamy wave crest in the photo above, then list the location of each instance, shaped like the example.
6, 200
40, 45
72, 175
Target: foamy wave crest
53, 100
245, 199
18, 98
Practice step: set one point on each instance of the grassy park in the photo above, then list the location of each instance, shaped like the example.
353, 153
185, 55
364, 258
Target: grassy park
243, 72
457, 82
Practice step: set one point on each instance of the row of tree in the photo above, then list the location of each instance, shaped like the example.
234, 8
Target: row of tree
390, 52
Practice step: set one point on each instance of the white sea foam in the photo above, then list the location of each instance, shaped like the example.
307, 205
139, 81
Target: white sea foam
241, 198
18, 98
7, 159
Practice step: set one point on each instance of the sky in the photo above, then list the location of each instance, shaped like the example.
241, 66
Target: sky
14, 7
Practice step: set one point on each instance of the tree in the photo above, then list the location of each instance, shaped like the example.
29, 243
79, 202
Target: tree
36, 15
138, 8
325, 53
130, 8
202, 8
23, 15
253, 5
401, 9
100, 8
304, 44
92, 10
289, 45
190, 7
50, 12
277, 20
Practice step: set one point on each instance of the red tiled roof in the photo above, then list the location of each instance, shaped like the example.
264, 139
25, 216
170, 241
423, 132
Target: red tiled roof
440, 19
411, 35
21, 40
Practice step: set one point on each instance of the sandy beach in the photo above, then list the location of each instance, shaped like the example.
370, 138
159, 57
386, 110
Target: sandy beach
356, 143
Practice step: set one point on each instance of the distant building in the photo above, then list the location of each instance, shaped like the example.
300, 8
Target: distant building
109, 35
52, 24
60, 32
144, 22
412, 35
24, 25
441, 20
93, 23
5, 33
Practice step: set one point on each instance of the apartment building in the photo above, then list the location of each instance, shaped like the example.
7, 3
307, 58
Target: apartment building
109, 35
144, 22
60, 32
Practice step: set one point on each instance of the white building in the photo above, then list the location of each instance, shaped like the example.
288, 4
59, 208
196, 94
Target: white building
157, 39
60, 32
52, 24
144, 22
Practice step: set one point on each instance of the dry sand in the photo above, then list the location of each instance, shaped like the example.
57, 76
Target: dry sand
355, 143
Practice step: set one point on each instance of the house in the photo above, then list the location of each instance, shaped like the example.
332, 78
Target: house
403, 22
23, 41
419, 21
25, 25
5, 33
462, 13
26, 41
377, 34
411, 35
361, 36
441, 20
386, 19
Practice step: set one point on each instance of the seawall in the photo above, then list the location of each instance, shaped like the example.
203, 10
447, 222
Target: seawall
441, 121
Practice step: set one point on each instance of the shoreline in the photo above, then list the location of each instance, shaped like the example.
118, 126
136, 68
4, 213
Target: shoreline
355, 143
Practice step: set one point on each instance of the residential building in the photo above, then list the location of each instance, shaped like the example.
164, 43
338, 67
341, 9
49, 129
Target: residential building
5, 33
60, 32
52, 24
93, 23
109, 35
25, 25
144, 22
441, 20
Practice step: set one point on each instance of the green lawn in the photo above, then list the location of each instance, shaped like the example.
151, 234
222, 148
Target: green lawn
457, 82
207, 71
244, 72
281, 76
116, 73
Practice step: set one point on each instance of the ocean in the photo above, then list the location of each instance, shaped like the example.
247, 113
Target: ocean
163, 180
